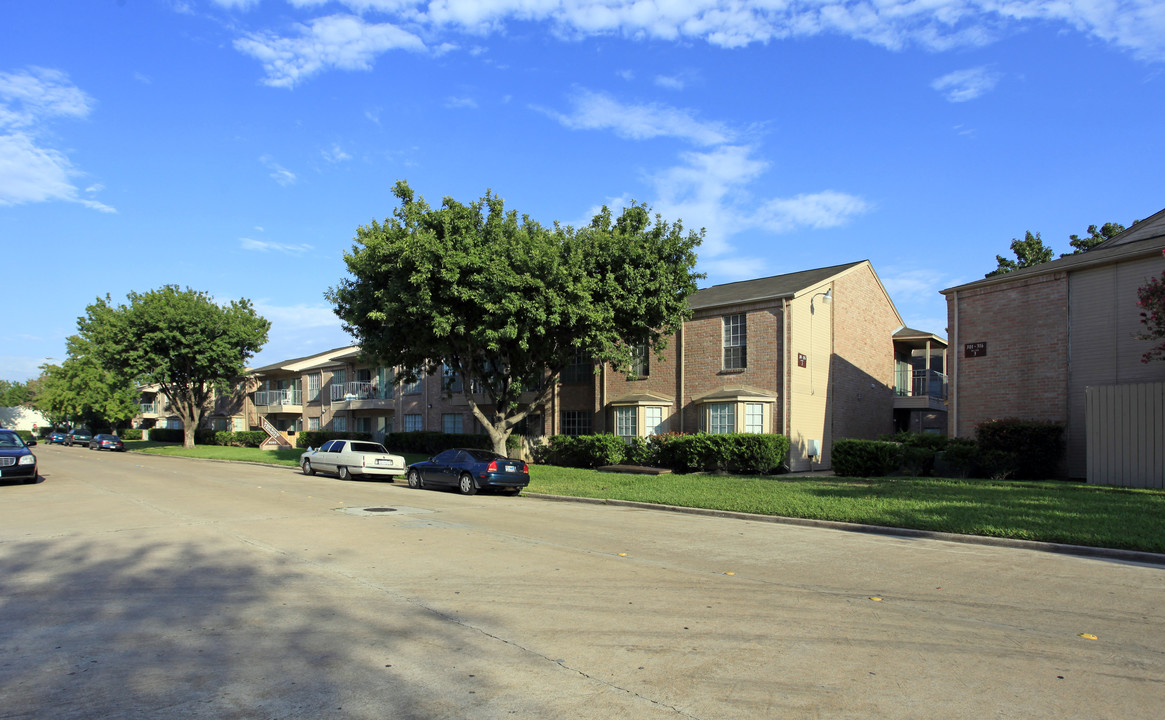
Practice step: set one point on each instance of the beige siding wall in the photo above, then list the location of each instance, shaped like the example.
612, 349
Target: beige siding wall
811, 331
1104, 318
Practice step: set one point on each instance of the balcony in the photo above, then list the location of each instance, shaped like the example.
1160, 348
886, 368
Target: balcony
358, 395
921, 389
153, 410
288, 400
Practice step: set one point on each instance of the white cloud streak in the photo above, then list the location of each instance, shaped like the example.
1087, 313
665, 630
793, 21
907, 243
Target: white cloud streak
599, 111
352, 41
269, 246
964, 85
31, 171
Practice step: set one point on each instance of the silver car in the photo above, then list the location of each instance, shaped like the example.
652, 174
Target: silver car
352, 457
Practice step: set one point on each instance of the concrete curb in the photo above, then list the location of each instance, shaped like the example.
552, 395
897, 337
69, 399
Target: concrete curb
1136, 556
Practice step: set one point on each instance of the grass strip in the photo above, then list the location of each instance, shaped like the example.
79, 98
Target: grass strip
1052, 511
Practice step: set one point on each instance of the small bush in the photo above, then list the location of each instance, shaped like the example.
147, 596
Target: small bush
866, 458
130, 434
167, 435
586, 450
1024, 449
315, 438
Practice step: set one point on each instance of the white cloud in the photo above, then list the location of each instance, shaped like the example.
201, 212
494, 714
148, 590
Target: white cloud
964, 85
335, 154
268, 246
598, 111
345, 42
460, 103
30, 170
279, 174
670, 82
350, 42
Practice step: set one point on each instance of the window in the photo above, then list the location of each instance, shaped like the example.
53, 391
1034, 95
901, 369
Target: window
580, 369
384, 378
238, 424
364, 425
413, 423
340, 424
754, 418
313, 387
451, 423
735, 342
576, 422
625, 422
450, 380
722, 418
313, 423
412, 388
641, 361
654, 418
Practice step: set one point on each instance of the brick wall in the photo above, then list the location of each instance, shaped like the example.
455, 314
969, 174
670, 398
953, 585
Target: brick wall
863, 364
1024, 371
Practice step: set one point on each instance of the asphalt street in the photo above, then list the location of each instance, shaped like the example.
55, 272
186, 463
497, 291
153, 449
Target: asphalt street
135, 586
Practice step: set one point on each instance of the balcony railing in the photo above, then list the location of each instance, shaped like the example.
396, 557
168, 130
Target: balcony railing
342, 392
922, 383
151, 408
287, 396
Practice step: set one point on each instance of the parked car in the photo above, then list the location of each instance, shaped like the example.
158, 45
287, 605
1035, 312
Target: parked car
106, 442
78, 436
352, 457
57, 437
470, 470
16, 460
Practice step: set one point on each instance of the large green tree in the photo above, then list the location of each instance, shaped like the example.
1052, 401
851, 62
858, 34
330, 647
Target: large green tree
1029, 251
506, 303
15, 393
82, 391
1095, 237
181, 340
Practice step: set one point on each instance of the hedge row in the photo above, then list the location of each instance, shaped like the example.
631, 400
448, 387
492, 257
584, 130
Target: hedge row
1016, 449
745, 453
315, 438
431, 443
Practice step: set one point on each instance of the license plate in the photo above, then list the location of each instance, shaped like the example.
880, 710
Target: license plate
383, 462
511, 468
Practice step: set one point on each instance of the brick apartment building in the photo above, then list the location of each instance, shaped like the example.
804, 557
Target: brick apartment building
1027, 344
815, 355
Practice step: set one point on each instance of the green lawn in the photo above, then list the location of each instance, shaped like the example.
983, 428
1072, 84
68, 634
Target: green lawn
1049, 511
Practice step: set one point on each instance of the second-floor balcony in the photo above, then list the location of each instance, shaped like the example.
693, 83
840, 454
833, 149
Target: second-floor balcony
358, 394
153, 409
920, 388
288, 400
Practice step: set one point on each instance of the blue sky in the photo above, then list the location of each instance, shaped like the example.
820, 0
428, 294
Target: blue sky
234, 146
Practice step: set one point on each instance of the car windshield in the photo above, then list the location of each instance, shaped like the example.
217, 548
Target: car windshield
10, 440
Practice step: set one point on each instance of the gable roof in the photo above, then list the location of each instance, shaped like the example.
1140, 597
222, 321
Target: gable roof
768, 288
1142, 239
303, 363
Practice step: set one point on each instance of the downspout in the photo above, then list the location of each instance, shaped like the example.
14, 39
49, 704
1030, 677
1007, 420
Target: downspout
953, 381
786, 370
680, 375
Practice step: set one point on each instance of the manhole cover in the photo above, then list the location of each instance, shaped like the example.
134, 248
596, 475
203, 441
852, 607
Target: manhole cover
379, 509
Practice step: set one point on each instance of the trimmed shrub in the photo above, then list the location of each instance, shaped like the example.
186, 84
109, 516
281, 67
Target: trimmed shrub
167, 435
130, 434
865, 458
755, 454
1024, 449
585, 450
315, 438
919, 451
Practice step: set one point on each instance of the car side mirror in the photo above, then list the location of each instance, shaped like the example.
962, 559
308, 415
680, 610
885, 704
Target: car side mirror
31, 442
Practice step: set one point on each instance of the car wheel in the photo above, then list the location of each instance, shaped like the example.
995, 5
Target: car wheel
344, 473
466, 485
307, 468
414, 479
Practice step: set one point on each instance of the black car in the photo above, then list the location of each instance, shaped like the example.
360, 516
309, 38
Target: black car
16, 460
106, 442
470, 470
78, 436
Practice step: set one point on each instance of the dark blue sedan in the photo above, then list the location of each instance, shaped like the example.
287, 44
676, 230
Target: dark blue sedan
470, 470
16, 460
